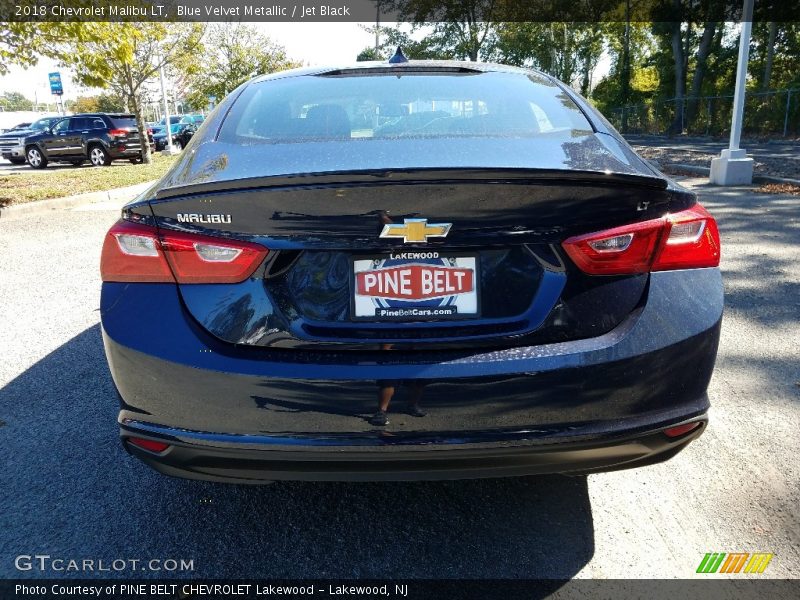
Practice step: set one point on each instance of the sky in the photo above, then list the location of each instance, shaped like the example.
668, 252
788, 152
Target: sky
311, 43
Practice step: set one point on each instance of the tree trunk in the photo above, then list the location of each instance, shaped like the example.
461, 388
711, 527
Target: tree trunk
625, 84
586, 79
680, 74
141, 125
700, 70
773, 32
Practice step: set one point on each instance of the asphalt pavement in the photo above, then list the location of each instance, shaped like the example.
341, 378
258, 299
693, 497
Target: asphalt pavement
68, 490
774, 148
7, 168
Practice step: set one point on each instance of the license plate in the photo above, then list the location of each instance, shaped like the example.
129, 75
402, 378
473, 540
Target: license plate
415, 286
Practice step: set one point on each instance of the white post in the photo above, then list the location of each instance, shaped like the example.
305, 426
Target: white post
733, 167
169, 149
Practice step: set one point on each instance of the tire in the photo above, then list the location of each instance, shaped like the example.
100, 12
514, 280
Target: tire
76, 163
35, 157
98, 156
17, 161
177, 144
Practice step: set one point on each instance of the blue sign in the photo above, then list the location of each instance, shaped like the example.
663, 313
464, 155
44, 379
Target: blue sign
55, 84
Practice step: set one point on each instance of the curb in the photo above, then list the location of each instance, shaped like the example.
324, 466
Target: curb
706, 171
121, 195
688, 168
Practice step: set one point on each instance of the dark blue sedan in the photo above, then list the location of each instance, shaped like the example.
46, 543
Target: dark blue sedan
409, 270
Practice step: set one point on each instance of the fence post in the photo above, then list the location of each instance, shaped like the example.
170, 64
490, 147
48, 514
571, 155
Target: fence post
786, 115
683, 115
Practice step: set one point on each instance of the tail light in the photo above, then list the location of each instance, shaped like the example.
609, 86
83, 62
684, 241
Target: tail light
149, 445
680, 430
685, 240
118, 132
133, 252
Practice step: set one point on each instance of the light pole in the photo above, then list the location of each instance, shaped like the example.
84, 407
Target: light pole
168, 150
377, 28
733, 167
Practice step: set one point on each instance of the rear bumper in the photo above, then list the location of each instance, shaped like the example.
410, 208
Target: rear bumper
249, 414
196, 455
125, 150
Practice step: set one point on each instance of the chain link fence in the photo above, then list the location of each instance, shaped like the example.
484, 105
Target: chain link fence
772, 113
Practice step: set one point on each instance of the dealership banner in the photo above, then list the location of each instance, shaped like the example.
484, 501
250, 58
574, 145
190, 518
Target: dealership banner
413, 589
418, 11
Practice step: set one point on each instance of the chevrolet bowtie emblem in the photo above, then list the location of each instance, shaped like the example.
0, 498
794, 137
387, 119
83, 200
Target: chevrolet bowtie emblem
415, 230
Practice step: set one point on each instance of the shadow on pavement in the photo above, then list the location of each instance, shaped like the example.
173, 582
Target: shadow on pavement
71, 491
760, 237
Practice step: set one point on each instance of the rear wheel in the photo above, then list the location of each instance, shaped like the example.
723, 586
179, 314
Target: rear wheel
99, 157
36, 157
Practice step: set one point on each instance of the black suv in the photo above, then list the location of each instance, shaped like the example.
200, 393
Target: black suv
97, 137
12, 141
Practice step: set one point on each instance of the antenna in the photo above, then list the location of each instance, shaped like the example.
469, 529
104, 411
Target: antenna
398, 57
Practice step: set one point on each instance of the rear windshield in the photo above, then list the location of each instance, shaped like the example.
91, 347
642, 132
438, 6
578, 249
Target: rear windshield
358, 107
124, 122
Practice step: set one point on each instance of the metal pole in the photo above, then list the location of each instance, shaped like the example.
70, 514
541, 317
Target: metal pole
786, 116
168, 149
377, 27
741, 75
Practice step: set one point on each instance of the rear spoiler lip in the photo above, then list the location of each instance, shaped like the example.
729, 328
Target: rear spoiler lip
409, 176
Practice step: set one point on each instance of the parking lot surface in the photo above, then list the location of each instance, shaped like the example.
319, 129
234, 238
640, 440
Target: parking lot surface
70, 491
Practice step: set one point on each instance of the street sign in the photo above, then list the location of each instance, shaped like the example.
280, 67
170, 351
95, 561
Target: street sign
55, 84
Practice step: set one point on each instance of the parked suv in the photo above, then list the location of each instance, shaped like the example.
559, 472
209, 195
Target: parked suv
11, 141
97, 137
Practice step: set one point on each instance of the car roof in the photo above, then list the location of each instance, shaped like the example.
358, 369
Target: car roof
102, 114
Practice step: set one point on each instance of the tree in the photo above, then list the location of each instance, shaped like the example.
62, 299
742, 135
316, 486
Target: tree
700, 66
458, 29
83, 104
629, 46
590, 50
567, 51
99, 103
110, 103
130, 54
22, 43
234, 53
425, 48
770, 55
368, 54
15, 101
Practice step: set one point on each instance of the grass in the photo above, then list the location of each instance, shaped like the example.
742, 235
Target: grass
27, 185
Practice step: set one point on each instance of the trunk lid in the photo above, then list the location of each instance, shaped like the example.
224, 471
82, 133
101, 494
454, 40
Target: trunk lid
505, 224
